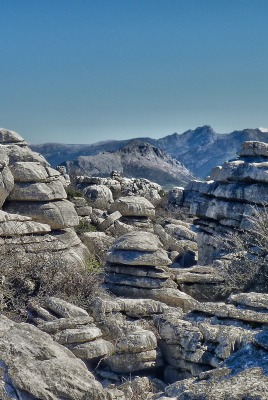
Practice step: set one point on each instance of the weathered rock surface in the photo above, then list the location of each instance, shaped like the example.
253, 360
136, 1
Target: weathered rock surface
133, 206
34, 366
58, 214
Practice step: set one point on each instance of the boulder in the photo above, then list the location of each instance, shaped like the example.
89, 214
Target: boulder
100, 195
133, 206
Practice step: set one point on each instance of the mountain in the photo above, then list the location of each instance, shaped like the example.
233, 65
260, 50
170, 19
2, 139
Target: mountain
137, 159
199, 149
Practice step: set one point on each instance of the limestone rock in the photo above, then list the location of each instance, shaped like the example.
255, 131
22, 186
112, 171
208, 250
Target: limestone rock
109, 221
97, 242
7, 136
24, 171
58, 214
256, 300
93, 349
139, 241
253, 149
38, 191
142, 258
133, 206
61, 324
78, 335
64, 309
6, 183
41, 368
131, 362
136, 342
100, 195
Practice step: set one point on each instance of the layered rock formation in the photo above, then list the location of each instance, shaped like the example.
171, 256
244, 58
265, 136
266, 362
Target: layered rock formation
137, 268
37, 215
227, 200
34, 366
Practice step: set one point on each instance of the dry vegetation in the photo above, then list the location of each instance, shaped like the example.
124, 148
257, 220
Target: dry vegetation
249, 253
45, 274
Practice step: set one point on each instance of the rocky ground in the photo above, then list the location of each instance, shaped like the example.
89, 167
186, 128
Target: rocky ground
110, 291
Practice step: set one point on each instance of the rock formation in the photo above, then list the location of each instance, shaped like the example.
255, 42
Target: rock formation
227, 200
36, 216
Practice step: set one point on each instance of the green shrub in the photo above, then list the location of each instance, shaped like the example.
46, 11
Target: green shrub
72, 192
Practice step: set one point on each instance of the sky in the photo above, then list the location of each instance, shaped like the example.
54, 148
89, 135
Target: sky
83, 71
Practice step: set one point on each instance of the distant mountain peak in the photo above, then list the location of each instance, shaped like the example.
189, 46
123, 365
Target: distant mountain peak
264, 130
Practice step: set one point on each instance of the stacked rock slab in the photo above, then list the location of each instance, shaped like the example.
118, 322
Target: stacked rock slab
225, 202
196, 342
136, 211
33, 187
137, 267
34, 191
135, 347
72, 327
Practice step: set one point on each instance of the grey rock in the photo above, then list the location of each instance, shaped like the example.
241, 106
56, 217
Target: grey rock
64, 309
254, 149
109, 221
38, 191
93, 349
143, 258
7, 136
139, 241
78, 335
58, 214
64, 323
97, 242
24, 171
41, 368
136, 342
100, 195
6, 183
133, 206
256, 300
139, 281
131, 362
154, 272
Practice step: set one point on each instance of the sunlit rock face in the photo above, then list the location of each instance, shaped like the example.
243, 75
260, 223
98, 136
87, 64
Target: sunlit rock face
35, 212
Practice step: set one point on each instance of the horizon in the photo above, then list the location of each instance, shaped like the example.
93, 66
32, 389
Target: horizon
89, 71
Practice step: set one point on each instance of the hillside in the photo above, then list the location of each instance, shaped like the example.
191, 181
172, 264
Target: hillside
136, 159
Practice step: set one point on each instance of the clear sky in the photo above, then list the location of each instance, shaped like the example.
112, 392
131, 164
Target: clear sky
81, 71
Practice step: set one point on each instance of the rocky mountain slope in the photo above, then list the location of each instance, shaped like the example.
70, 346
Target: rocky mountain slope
136, 159
199, 149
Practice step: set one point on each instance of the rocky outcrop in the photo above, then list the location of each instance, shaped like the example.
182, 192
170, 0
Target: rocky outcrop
72, 327
30, 187
34, 366
33, 198
121, 186
137, 267
226, 202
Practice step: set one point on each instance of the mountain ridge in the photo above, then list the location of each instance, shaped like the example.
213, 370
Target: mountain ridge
199, 150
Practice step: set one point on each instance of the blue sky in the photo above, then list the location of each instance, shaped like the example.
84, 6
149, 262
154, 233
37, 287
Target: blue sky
81, 71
